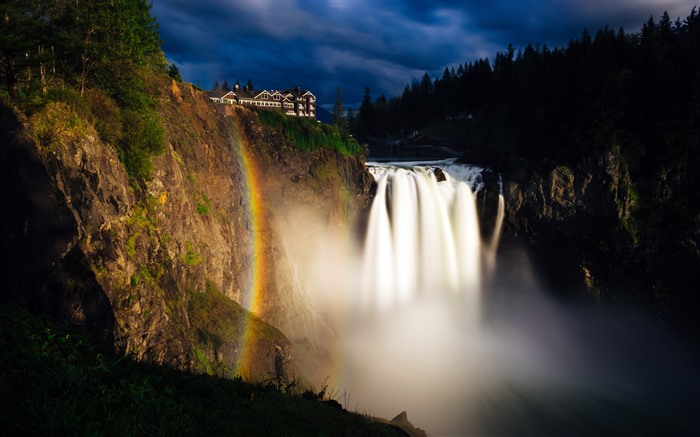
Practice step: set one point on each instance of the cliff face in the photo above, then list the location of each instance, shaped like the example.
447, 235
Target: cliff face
162, 270
304, 195
565, 213
589, 233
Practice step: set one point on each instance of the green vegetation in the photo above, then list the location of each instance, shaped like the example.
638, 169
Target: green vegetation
55, 382
141, 222
56, 122
174, 72
143, 137
309, 135
340, 122
215, 317
131, 246
203, 204
190, 257
99, 59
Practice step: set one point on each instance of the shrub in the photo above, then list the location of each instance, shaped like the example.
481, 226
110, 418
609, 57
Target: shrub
309, 134
107, 117
72, 98
55, 122
190, 257
143, 136
132, 92
203, 204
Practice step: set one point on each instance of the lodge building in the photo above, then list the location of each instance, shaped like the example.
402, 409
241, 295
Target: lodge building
295, 101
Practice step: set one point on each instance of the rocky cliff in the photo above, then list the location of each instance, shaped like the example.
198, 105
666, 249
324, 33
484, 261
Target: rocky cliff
166, 269
591, 232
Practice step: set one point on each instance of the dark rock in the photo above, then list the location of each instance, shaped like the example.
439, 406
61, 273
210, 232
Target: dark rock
588, 233
564, 215
401, 417
439, 174
401, 421
333, 404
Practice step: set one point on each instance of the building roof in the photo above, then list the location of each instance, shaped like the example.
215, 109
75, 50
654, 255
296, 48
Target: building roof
298, 92
217, 94
295, 101
245, 93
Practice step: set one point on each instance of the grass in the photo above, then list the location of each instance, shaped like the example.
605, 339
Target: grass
310, 135
54, 381
203, 204
56, 123
190, 257
216, 320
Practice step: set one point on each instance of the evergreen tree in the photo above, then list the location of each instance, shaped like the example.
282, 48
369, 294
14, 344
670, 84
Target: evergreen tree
23, 35
174, 72
338, 114
352, 120
381, 116
560, 104
112, 47
225, 86
365, 117
249, 85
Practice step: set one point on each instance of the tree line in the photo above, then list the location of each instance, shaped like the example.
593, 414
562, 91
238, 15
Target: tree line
77, 43
224, 86
641, 90
97, 55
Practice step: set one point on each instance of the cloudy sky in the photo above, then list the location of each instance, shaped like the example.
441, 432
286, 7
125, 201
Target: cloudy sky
383, 44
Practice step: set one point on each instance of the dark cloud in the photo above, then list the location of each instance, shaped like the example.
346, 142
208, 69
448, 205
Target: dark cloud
382, 44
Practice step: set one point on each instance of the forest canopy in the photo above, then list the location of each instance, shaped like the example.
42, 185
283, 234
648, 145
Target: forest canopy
98, 57
541, 104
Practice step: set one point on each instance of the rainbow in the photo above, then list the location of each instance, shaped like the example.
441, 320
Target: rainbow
252, 299
255, 290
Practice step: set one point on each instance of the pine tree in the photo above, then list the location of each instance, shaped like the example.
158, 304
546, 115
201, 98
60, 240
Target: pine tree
338, 114
174, 72
365, 117
23, 32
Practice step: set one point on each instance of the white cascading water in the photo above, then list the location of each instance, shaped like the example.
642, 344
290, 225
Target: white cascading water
423, 236
412, 339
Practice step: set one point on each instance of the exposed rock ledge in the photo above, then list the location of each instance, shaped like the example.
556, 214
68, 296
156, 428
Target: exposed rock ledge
590, 235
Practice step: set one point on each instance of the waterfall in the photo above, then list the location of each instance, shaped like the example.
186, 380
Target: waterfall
423, 236
413, 337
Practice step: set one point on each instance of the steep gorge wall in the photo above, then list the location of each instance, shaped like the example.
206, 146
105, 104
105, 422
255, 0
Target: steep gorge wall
162, 270
592, 234
305, 195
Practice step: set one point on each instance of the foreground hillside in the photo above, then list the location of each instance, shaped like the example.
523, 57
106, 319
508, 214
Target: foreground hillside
56, 382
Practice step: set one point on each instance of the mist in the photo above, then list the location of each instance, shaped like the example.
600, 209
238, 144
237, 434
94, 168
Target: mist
496, 356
